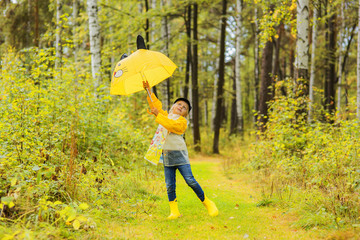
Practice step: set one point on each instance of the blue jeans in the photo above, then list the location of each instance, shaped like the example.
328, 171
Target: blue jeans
170, 180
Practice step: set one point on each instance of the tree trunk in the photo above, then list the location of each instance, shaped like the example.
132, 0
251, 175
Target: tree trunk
342, 27
358, 71
95, 48
147, 24
330, 70
147, 30
256, 65
276, 68
233, 119
188, 50
58, 47
75, 38
312, 72
165, 37
153, 24
265, 92
213, 105
221, 80
344, 63
194, 81
302, 41
239, 110
346, 55
214, 99
206, 113
28, 27
36, 19
302, 56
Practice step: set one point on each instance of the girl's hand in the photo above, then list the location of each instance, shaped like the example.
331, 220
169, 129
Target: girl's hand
154, 111
146, 85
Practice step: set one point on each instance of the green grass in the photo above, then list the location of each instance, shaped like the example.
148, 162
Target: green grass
239, 217
236, 195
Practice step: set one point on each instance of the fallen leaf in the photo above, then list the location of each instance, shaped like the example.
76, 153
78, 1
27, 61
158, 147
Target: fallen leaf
76, 224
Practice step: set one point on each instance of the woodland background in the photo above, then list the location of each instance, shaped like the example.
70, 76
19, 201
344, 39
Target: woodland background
279, 79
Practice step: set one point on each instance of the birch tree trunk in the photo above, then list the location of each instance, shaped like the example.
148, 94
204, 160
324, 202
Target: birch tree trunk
302, 58
302, 40
95, 49
340, 57
58, 37
312, 71
221, 80
239, 110
358, 70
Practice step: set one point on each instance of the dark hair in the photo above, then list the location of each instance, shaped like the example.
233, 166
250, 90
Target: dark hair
185, 100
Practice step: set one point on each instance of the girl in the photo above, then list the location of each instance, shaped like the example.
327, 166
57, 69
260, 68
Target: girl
175, 152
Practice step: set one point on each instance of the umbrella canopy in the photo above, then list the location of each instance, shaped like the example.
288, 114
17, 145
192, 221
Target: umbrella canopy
142, 65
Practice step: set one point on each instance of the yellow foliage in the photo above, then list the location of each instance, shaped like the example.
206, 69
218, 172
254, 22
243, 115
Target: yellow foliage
293, 6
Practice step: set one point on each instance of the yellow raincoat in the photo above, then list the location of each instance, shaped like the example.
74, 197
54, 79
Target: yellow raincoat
177, 126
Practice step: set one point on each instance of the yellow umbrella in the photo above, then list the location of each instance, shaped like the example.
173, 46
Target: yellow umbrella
142, 65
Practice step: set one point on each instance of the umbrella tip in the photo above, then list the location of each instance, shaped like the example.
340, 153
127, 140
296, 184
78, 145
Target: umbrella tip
140, 43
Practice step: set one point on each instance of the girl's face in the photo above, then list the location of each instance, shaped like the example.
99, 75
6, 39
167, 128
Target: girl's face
181, 108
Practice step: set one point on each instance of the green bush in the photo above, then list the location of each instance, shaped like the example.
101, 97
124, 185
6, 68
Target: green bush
319, 157
63, 144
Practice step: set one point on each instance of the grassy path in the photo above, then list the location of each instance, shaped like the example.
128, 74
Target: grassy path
238, 218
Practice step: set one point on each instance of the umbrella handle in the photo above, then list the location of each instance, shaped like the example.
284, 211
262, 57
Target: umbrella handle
149, 94
151, 104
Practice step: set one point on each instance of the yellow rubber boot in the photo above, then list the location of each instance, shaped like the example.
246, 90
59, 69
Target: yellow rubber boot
174, 210
211, 207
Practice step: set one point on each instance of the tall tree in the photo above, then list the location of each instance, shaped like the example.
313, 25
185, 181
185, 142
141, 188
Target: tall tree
188, 49
165, 38
95, 48
75, 35
239, 110
58, 45
358, 69
256, 63
302, 42
147, 23
276, 72
265, 84
276, 68
330, 75
194, 81
221, 79
342, 27
36, 19
312, 71
28, 28
302, 54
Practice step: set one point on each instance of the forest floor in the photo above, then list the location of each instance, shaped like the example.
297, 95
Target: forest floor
236, 197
